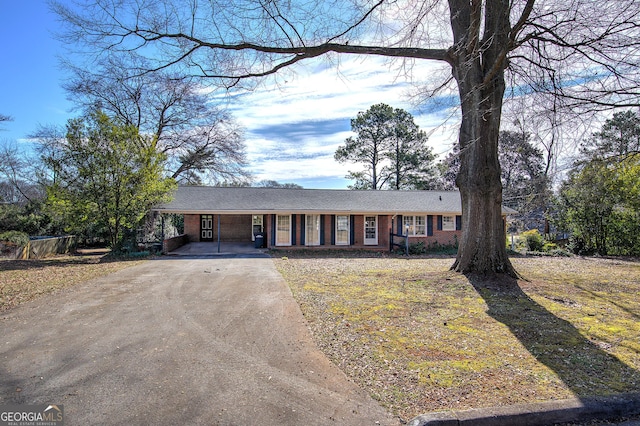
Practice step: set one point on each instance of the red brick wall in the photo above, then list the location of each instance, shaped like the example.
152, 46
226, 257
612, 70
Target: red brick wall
296, 241
358, 224
238, 228
327, 229
267, 218
170, 244
445, 237
233, 228
384, 223
192, 226
439, 237
384, 227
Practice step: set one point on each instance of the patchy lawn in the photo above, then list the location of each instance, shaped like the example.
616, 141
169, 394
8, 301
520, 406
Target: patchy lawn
24, 280
420, 338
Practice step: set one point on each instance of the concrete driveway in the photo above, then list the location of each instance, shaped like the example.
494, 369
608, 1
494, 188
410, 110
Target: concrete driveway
177, 341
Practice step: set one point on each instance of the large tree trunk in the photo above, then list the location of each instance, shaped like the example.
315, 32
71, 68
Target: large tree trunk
481, 85
482, 248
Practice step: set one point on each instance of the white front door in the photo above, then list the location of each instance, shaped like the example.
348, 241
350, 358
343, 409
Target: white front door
371, 230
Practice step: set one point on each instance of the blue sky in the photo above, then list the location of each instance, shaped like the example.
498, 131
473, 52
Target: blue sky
292, 129
30, 89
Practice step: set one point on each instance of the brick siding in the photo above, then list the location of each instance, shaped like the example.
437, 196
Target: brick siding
192, 226
237, 228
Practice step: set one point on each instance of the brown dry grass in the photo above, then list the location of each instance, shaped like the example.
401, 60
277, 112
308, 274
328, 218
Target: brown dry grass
421, 338
24, 280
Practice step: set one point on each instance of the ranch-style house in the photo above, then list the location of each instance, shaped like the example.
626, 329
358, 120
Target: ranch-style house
299, 218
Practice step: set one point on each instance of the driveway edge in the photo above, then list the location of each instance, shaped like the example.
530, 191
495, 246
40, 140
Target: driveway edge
538, 414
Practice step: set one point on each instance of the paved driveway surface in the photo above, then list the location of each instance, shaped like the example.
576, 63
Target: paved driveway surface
177, 342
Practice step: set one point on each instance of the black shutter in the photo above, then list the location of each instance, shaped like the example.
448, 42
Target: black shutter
293, 229
400, 225
352, 229
321, 229
333, 229
303, 230
430, 226
273, 229
458, 223
439, 222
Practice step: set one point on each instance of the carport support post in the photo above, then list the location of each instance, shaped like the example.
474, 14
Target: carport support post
218, 233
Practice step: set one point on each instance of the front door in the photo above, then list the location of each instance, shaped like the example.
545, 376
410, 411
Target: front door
371, 230
206, 227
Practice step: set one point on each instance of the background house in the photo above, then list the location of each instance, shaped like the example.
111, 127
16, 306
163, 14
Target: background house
295, 218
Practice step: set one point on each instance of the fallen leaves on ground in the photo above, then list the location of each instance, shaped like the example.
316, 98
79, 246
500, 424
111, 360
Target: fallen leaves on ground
24, 280
421, 338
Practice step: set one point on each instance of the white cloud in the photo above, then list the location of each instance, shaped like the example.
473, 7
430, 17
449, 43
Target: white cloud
294, 127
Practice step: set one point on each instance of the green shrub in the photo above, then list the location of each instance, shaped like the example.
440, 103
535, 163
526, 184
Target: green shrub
559, 252
417, 248
437, 248
533, 240
16, 237
549, 246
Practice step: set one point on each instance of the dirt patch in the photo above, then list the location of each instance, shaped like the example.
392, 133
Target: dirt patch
420, 338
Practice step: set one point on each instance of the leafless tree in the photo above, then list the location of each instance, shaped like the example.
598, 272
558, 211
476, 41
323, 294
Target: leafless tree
17, 175
4, 118
199, 139
581, 53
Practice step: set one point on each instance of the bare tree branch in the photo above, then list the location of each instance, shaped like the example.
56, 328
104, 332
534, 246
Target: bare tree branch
584, 54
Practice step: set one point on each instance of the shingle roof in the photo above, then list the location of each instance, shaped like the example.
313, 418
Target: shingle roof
225, 200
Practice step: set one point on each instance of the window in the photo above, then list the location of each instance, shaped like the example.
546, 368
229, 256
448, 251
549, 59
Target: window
408, 225
448, 223
283, 230
417, 225
313, 229
342, 230
420, 225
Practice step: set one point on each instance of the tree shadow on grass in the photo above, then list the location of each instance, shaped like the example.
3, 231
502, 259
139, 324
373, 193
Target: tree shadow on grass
585, 368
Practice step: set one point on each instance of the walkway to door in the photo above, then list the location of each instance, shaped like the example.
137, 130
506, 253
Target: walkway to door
226, 249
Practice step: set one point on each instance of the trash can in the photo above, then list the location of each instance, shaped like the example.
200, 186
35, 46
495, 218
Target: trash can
259, 240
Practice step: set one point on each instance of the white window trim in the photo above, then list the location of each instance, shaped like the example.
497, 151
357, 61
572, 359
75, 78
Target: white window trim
423, 226
449, 225
282, 244
315, 219
343, 243
414, 226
